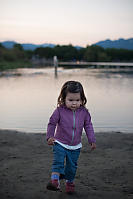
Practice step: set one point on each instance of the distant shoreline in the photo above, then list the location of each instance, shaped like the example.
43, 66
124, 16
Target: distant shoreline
5, 66
40, 133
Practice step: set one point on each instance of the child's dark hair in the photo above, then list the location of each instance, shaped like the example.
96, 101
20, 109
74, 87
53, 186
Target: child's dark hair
71, 87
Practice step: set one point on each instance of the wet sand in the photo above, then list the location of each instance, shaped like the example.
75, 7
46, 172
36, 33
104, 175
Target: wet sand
25, 163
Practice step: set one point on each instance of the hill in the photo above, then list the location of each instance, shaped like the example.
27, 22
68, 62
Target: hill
28, 46
120, 43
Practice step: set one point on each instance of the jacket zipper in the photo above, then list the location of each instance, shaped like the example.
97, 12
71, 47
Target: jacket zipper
73, 125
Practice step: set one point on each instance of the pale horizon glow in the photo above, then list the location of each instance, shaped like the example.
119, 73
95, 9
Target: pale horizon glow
76, 22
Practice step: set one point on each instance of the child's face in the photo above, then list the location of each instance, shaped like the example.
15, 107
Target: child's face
73, 101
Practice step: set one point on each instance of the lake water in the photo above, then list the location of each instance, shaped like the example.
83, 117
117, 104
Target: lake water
28, 99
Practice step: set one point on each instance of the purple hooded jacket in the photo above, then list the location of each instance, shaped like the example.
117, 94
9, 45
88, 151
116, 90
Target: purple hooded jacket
66, 125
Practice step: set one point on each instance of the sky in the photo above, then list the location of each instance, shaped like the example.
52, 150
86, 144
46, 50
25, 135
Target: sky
76, 22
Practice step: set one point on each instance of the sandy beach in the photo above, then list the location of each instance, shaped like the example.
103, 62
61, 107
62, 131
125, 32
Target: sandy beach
25, 164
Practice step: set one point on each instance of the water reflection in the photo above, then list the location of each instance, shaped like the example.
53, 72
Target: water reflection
27, 100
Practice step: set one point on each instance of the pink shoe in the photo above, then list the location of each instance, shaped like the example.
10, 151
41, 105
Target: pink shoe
53, 185
70, 187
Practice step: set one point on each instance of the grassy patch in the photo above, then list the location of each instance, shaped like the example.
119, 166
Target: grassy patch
4, 65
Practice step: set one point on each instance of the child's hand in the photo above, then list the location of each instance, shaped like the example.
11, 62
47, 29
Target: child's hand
51, 141
93, 146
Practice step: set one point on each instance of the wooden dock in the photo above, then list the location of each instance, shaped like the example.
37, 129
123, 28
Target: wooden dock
96, 64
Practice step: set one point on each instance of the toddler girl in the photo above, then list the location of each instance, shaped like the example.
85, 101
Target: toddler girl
64, 133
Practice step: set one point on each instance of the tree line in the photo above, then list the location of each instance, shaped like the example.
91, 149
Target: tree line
91, 53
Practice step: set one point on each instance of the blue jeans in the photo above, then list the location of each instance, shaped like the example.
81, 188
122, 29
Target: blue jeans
60, 155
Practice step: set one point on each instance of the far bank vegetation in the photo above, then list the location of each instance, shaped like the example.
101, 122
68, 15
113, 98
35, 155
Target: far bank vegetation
18, 57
